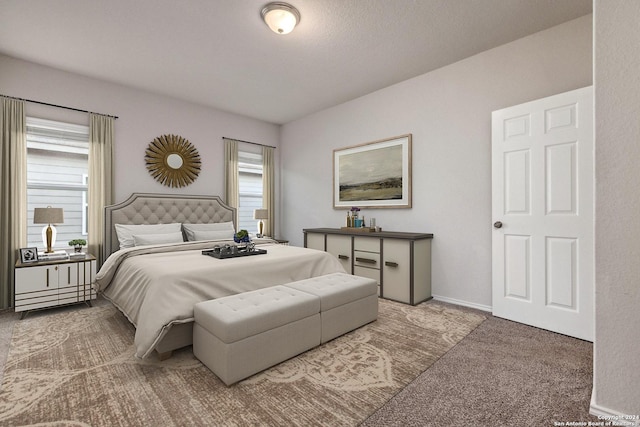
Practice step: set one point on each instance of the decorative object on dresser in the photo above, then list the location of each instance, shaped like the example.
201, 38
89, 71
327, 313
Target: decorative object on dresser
260, 215
376, 174
172, 161
50, 283
48, 216
399, 261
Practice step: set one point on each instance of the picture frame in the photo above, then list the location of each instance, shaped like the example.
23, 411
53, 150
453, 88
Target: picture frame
374, 174
28, 255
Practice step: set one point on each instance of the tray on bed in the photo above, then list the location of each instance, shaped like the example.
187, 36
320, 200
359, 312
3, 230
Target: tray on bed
240, 253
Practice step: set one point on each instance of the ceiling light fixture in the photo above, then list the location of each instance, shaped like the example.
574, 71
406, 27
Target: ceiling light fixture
280, 17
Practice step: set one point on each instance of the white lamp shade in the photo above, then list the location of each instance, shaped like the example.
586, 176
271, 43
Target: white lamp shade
48, 215
261, 214
280, 17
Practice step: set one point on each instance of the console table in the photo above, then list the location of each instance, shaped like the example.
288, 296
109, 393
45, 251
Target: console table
399, 261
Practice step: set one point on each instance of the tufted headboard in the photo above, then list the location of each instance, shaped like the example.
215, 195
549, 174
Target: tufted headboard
145, 208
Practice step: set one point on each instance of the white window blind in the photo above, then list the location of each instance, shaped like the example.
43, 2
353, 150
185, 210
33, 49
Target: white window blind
57, 176
250, 189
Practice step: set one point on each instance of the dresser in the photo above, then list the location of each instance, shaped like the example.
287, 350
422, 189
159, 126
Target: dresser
399, 261
51, 283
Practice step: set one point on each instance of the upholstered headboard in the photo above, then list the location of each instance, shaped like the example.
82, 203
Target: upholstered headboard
144, 208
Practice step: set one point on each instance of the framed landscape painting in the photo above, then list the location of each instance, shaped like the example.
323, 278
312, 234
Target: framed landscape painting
374, 175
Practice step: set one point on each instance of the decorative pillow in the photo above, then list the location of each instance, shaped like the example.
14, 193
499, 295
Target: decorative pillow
156, 239
125, 232
189, 229
213, 235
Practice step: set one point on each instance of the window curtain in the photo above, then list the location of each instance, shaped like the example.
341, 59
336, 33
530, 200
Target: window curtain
13, 186
268, 189
231, 187
100, 192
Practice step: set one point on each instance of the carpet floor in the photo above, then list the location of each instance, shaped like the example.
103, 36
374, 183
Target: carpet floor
76, 367
502, 374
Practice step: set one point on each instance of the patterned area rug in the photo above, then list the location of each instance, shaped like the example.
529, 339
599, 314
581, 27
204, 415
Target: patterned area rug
77, 368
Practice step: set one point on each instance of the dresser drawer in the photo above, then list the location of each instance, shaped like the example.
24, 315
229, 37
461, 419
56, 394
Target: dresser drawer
366, 259
367, 244
370, 273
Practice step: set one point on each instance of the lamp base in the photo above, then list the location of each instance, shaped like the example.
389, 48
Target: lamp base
49, 238
260, 228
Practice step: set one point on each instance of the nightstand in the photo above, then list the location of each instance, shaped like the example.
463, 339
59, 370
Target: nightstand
46, 284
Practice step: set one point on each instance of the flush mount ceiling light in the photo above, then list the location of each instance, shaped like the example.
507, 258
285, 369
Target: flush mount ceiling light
280, 17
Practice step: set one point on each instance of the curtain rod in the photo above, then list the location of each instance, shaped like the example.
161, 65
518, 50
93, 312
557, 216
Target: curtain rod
249, 142
57, 106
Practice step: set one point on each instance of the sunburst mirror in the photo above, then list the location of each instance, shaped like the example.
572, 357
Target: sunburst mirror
172, 161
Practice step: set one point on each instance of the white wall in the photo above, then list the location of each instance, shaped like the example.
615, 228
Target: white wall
448, 111
617, 82
142, 117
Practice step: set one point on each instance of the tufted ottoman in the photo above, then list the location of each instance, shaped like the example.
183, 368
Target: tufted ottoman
346, 302
240, 335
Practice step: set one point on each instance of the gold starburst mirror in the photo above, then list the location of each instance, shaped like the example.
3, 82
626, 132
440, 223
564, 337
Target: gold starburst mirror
172, 161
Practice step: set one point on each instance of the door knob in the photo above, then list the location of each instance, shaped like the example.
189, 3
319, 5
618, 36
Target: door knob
497, 224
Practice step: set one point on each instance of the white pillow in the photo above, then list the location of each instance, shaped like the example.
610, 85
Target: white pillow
125, 232
213, 235
189, 229
156, 239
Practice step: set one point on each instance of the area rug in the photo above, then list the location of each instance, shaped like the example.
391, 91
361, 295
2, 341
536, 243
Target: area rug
77, 368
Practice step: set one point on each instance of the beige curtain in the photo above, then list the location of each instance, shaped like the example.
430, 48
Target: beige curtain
268, 189
13, 193
231, 187
101, 135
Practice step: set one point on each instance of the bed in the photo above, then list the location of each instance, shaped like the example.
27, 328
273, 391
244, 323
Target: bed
156, 285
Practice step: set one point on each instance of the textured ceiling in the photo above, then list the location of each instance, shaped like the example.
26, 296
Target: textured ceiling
219, 53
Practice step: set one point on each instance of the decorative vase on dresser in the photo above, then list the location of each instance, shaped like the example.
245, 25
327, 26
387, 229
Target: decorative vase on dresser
399, 261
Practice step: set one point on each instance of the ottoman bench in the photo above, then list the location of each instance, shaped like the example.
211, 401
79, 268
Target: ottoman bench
346, 302
240, 335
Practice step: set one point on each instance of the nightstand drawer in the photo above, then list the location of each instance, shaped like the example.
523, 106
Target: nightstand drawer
37, 299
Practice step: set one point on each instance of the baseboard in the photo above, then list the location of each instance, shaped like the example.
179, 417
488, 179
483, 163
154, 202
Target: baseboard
606, 414
463, 303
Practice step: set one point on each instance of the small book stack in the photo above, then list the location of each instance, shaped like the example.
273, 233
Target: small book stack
77, 255
53, 256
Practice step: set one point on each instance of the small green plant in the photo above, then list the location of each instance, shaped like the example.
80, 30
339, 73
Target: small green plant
241, 236
77, 242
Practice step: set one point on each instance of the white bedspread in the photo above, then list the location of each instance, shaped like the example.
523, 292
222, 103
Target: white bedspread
157, 286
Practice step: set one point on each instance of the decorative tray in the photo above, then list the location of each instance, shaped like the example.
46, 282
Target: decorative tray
221, 254
359, 229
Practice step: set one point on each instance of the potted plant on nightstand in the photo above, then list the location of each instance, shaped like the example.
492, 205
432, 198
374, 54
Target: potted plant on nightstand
77, 244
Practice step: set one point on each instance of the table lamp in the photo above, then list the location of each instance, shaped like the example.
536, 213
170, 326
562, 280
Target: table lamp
260, 214
48, 216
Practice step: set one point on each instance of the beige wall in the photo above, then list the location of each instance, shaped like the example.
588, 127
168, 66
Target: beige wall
617, 83
142, 117
448, 111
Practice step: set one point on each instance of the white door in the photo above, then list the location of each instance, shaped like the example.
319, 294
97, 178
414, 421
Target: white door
543, 177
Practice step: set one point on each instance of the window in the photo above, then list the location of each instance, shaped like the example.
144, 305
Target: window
250, 188
57, 176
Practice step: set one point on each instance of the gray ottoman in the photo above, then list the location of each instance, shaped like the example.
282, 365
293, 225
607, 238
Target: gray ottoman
346, 302
240, 335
